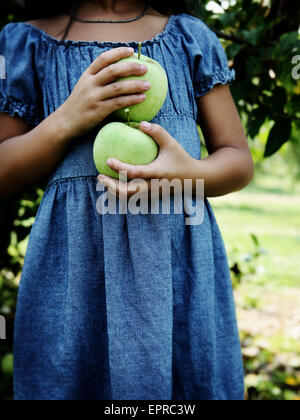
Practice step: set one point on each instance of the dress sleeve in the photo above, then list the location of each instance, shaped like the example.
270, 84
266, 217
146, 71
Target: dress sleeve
208, 60
20, 92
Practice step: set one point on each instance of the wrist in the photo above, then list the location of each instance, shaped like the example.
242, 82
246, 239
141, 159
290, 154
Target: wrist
195, 169
60, 128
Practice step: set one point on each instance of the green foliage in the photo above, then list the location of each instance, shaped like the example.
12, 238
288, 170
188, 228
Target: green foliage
261, 38
16, 219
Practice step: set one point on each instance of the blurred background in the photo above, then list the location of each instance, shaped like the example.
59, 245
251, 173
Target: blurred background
260, 225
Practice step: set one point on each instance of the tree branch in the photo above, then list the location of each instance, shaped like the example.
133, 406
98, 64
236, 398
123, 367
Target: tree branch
223, 35
230, 37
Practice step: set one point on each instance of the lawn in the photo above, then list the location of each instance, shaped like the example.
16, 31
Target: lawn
275, 220
268, 295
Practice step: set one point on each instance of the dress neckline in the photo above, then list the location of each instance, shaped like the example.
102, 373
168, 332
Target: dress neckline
70, 42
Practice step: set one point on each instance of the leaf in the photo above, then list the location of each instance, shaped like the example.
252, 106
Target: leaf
278, 100
256, 120
254, 66
240, 90
255, 239
275, 100
279, 135
228, 19
233, 50
287, 44
257, 34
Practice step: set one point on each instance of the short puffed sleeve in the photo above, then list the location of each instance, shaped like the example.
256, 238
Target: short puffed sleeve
207, 57
20, 89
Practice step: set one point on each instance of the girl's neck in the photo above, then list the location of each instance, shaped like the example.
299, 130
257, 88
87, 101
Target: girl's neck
113, 8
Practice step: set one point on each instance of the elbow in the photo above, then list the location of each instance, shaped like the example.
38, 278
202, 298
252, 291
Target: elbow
245, 172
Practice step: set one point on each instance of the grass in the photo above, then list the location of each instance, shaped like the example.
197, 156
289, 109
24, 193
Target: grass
274, 218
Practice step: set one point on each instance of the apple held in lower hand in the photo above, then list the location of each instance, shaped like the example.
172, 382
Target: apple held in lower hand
125, 143
155, 96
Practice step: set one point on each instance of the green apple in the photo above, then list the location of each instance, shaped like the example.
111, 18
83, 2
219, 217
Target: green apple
125, 143
155, 96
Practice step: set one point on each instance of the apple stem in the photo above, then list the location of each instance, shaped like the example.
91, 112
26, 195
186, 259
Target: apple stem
127, 110
140, 50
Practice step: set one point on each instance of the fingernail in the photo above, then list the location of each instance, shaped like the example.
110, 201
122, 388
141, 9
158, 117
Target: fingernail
147, 85
146, 125
130, 50
143, 67
109, 162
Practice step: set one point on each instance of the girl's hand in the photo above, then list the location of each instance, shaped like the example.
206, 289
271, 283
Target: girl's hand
173, 162
97, 95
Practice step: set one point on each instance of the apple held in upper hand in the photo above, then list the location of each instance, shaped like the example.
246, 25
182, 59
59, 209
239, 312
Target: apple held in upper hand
155, 96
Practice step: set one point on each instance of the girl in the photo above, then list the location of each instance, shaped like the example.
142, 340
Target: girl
129, 306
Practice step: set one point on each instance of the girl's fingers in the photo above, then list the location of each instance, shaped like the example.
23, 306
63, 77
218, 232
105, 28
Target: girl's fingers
123, 189
110, 183
121, 102
133, 171
115, 71
158, 133
124, 88
109, 57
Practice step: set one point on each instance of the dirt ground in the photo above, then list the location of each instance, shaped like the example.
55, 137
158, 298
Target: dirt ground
275, 322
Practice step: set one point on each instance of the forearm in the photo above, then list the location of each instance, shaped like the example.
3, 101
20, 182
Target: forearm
227, 170
28, 158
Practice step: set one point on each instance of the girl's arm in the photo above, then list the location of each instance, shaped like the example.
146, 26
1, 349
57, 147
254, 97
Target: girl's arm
28, 155
229, 167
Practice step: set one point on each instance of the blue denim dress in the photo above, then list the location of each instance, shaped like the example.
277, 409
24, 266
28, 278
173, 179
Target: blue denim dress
120, 307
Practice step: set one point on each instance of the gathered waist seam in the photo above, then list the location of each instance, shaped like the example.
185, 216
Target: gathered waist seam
69, 178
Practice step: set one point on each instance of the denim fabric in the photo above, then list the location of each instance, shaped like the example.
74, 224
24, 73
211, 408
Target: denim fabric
120, 306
